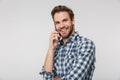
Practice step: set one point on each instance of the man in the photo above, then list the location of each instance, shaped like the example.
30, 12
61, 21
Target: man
70, 56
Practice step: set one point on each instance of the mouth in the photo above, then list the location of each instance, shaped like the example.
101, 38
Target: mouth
63, 31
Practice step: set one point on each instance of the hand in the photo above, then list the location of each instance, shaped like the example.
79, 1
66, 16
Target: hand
53, 40
57, 78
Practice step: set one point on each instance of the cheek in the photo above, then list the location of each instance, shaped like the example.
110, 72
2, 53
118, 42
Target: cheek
57, 29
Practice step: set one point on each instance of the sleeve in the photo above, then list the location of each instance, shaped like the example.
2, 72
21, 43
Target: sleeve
86, 57
46, 75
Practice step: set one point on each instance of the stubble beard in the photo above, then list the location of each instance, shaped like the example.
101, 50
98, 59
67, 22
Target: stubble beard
70, 32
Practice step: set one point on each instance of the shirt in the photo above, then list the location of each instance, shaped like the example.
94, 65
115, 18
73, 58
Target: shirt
74, 60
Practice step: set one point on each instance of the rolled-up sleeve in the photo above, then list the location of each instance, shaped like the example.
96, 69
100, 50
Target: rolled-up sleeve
46, 75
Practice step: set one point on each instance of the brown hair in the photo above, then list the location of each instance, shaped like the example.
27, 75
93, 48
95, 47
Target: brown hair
61, 8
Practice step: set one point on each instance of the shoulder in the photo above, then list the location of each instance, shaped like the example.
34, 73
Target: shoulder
84, 42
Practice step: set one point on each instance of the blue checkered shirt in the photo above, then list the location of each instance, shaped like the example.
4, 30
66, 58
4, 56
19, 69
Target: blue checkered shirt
74, 60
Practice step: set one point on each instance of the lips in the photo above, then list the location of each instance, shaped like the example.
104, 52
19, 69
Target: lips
63, 31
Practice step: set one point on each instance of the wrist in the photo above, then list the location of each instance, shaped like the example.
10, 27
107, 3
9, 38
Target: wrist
51, 48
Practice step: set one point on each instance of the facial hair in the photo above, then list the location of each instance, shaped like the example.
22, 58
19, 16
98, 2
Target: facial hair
70, 32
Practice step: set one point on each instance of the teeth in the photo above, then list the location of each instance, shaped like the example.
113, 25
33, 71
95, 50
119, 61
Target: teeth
63, 30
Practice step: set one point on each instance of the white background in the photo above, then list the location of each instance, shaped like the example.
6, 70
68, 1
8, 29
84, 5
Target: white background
25, 26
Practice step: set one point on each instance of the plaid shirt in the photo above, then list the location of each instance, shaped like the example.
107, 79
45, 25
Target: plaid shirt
74, 60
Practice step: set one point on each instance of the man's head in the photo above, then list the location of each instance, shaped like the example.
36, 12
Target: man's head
63, 18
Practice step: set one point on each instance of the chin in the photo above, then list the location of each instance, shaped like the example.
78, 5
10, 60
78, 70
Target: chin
65, 36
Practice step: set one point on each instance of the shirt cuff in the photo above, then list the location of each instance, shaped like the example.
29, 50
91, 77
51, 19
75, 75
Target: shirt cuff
46, 75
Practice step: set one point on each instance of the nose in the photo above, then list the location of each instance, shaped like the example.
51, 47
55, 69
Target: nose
61, 25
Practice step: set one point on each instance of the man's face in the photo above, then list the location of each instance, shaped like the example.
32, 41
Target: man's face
63, 24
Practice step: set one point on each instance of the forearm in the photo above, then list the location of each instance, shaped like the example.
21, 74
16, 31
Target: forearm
47, 70
48, 64
57, 78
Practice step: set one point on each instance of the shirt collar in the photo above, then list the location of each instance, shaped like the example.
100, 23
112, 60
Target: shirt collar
71, 38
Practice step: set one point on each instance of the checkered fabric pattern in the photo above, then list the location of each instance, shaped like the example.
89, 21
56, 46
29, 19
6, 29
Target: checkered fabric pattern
74, 60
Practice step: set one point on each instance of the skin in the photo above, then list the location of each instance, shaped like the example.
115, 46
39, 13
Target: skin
64, 27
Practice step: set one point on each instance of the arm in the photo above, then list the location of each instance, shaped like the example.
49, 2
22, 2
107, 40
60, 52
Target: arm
57, 78
82, 63
48, 64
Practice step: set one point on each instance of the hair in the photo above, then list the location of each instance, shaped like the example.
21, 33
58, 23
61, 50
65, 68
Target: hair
62, 8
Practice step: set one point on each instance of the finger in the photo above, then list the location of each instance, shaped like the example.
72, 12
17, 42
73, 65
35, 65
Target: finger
55, 32
55, 37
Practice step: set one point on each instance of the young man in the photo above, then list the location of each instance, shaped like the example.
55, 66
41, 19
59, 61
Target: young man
70, 56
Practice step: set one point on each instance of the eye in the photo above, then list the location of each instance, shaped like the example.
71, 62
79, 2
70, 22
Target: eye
65, 20
56, 23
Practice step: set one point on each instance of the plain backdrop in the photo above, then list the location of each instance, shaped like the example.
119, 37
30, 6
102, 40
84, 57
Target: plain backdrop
25, 27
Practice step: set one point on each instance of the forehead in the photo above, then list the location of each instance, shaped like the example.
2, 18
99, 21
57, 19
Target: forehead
61, 15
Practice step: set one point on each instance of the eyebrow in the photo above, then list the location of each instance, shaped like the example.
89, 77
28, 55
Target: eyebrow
62, 20
65, 19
